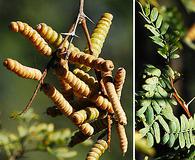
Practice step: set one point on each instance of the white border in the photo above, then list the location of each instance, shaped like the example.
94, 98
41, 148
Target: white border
133, 79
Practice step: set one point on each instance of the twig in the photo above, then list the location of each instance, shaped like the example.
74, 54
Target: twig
109, 131
180, 100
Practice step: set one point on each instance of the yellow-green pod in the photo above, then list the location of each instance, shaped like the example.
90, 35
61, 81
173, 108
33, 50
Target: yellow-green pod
97, 150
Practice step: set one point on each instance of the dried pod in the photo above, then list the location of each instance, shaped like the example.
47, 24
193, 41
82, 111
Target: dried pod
78, 85
58, 99
99, 34
89, 80
119, 80
122, 137
53, 111
86, 129
85, 115
21, 70
102, 102
79, 137
88, 60
82, 103
33, 36
113, 97
97, 150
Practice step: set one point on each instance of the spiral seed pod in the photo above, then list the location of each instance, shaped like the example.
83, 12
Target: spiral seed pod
67, 90
86, 129
21, 70
122, 137
97, 150
88, 60
33, 36
102, 102
58, 99
78, 85
89, 80
119, 80
99, 34
53, 111
85, 115
98, 125
113, 97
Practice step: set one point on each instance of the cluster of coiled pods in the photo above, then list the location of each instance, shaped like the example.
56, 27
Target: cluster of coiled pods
92, 104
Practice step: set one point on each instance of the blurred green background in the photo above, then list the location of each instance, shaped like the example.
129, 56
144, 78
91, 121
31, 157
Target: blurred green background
15, 91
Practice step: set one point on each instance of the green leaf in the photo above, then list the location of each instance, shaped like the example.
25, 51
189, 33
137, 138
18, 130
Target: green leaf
22, 131
159, 21
149, 115
192, 137
187, 139
147, 9
157, 40
152, 29
152, 81
183, 123
164, 28
163, 123
154, 14
144, 131
171, 140
174, 56
172, 126
162, 91
145, 102
159, 99
141, 111
148, 87
165, 138
162, 53
150, 139
149, 94
156, 107
152, 71
181, 140
156, 128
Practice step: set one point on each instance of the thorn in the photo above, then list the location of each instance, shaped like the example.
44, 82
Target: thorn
190, 101
69, 34
85, 16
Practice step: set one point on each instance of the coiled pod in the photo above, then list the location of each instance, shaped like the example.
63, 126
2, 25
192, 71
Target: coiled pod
85, 115
97, 150
82, 103
99, 33
119, 80
102, 102
58, 99
86, 129
79, 137
122, 137
113, 97
89, 80
33, 36
78, 85
53, 111
88, 60
21, 70
51, 36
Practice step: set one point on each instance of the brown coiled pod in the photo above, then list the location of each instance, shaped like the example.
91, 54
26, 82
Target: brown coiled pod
99, 34
85, 115
102, 102
113, 97
21, 70
89, 80
122, 137
86, 129
53, 111
77, 85
119, 80
97, 150
88, 60
33, 36
62, 104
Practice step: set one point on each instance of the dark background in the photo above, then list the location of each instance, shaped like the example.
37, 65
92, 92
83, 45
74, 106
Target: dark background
15, 91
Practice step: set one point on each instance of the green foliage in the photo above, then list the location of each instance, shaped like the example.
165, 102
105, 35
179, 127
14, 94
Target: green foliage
189, 5
164, 34
156, 120
33, 135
